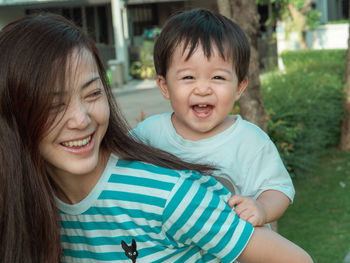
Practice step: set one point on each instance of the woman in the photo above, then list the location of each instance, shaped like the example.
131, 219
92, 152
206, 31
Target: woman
74, 149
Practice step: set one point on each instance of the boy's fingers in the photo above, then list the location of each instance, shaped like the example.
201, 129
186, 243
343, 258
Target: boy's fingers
253, 220
234, 200
245, 215
243, 212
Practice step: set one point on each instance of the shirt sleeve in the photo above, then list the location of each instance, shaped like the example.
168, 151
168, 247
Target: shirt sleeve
267, 172
148, 129
138, 133
197, 214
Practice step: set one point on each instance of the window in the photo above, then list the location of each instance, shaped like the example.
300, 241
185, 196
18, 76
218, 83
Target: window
143, 17
93, 19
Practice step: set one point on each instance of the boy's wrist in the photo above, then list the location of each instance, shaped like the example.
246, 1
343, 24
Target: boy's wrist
262, 212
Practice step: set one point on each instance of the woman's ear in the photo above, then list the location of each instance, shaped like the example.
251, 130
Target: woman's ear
161, 82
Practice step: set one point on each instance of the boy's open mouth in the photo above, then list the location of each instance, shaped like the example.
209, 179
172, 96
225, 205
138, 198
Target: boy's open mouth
202, 110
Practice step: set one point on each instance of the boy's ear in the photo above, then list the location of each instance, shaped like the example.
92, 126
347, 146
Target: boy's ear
241, 87
161, 82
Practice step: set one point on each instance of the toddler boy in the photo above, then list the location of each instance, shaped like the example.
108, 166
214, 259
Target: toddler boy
201, 59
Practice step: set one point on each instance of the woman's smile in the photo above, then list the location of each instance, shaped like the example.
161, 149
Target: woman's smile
80, 146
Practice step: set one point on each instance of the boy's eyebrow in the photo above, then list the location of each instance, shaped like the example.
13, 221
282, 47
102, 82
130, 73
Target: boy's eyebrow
224, 69
188, 68
183, 69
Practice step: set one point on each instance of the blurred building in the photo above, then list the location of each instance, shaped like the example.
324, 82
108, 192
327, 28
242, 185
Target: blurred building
117, 26
332, 33
332, 10
95, 16
121, 27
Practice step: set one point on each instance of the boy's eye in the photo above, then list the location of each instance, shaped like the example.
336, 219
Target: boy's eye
219, 77
188, 77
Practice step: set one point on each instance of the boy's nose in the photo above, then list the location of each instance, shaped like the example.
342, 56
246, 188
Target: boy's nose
203, 90
78, 117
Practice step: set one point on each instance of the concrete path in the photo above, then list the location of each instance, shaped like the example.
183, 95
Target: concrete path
138, 96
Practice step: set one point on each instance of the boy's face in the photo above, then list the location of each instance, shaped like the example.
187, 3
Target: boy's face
202, 92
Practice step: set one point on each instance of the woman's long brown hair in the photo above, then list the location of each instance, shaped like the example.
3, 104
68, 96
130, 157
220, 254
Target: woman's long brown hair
29, 223
34, 54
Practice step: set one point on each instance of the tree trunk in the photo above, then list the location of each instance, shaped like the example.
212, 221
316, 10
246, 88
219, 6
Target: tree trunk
245, 14
345, 127
224, 8
300, 18
271, 60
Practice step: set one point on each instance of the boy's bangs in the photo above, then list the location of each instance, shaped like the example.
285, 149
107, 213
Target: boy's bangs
189, 45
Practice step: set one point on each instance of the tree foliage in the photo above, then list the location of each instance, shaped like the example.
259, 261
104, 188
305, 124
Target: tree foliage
297, 15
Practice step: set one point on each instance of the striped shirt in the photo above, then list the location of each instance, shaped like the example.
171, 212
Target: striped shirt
139, 212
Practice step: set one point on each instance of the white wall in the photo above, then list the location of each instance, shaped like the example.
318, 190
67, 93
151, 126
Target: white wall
331, 36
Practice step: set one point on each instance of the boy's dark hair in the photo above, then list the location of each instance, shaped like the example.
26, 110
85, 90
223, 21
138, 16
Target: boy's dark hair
201, 26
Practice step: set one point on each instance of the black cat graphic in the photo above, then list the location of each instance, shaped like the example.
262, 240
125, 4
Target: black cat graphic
130, 251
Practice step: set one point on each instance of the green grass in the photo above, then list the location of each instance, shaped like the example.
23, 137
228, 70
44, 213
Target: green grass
319, 218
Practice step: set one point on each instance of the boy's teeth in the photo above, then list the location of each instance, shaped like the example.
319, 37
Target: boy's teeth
77, 143
202, 105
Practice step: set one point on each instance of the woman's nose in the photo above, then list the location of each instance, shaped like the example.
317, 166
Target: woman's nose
78, 116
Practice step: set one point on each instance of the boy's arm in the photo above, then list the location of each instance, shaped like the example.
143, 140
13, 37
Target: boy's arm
197, 213
266, 245
275, 203
269, 207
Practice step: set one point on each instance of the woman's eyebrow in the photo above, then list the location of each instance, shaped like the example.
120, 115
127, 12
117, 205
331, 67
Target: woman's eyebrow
85, 85
88, 83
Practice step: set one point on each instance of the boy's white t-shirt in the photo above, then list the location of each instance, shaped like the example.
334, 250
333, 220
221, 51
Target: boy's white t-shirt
248, 160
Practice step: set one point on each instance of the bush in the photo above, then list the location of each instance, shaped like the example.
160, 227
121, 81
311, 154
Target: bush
322, 61
109, 77
304, 106
144, 69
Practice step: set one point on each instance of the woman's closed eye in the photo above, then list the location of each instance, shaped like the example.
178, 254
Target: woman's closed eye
57, 106
95, 94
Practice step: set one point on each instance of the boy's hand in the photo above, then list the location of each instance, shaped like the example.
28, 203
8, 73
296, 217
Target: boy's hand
248, 209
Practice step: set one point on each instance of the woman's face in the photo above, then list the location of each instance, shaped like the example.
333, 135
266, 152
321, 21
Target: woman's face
73, 143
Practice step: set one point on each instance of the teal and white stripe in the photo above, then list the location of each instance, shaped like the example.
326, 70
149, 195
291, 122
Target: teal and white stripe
173, 217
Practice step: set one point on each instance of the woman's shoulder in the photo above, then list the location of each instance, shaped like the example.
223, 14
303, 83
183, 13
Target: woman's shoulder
140, 166
157, 175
